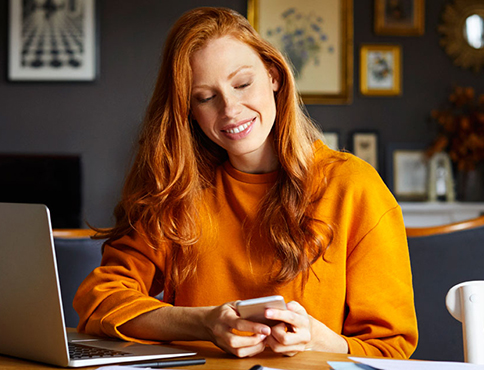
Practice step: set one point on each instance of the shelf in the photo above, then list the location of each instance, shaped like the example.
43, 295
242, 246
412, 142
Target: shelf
422, 214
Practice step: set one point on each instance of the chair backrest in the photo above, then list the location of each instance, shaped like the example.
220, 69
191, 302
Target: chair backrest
465, 302
439, 261
73, 233
77, 255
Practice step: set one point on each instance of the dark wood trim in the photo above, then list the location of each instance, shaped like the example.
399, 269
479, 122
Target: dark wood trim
73, 233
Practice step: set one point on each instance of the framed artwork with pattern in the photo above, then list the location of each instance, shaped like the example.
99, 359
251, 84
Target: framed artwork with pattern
399, 17
381, 70
364, 144
52, 40
407, 171
317, 39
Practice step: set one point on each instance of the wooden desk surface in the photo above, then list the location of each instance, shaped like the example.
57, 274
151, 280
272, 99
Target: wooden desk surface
217, 360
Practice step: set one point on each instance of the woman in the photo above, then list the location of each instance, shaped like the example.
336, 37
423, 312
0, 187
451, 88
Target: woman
231, 196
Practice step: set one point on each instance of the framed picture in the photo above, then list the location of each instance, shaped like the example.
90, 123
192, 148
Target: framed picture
317, 38
52, 40
399, 17
440, 178
408, 172
331, 139
380, 70
365, 146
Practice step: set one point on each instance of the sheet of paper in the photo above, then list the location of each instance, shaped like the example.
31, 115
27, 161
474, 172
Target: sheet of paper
386, 364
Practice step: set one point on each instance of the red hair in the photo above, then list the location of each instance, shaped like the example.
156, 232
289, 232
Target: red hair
175, 161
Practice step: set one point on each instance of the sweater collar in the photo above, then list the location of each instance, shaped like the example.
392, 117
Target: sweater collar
250, 178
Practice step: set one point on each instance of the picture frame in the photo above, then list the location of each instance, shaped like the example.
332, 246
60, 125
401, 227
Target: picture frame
380, 70
56, 43
365, 145
399, 17
317, 38
441, 178
332, 139
408, 171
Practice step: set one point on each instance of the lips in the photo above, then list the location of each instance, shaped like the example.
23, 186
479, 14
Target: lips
240, 130
235, 129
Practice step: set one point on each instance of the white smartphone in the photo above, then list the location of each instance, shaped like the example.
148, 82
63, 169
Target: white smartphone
254, 309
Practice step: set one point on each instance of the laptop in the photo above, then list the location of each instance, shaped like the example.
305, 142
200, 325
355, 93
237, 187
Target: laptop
31, 315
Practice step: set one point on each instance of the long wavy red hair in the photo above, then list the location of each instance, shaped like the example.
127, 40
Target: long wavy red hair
175, 161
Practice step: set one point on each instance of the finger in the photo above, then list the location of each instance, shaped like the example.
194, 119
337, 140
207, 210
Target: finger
296, 336
246, 327
294, 318
248, 351
238, 341
296, 307
283, 349
242, 346
232, 320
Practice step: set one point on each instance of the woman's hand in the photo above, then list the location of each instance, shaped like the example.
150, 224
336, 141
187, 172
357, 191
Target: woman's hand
301, 332
221, 322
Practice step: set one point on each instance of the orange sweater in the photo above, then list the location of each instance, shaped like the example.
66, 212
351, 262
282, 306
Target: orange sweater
362, 288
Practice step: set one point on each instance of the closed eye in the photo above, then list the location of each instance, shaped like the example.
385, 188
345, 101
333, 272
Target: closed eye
205, 100
243, 85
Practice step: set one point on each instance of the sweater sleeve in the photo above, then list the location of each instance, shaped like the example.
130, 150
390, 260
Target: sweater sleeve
122, 288
381, 316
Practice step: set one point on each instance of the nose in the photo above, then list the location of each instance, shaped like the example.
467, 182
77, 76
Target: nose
230, 105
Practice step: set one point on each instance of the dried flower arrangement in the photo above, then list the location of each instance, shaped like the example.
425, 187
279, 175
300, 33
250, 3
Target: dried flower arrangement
461, 128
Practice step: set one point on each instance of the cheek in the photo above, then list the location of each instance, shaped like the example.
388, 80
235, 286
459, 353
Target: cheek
200, 117
203, 120
265, 96
266, 101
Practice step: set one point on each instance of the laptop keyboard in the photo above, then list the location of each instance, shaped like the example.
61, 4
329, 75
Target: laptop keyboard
80, 351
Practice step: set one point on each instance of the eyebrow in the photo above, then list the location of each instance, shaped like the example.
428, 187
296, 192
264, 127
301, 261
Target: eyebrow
230, 76
238, 70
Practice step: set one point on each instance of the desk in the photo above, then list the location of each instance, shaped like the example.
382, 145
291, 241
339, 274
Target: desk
217, 360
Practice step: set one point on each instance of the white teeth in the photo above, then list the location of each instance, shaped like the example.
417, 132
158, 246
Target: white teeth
239, 129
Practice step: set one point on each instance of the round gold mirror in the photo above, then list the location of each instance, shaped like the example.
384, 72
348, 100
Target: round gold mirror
462, 31
474, 31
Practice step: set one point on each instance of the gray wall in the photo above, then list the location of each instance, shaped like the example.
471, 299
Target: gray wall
100, 120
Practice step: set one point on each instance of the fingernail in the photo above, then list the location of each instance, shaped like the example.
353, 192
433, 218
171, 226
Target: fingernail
266, 331
262, 336
269, 313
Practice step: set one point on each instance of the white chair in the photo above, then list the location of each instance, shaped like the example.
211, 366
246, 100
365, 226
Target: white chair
465, 302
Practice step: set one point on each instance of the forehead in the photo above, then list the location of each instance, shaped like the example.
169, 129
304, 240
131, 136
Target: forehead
223, 55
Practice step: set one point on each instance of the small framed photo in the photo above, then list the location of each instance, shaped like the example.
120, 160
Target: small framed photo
408, 172
380, 70
441, 178
399, 17
365, 146
52, 41
331, 139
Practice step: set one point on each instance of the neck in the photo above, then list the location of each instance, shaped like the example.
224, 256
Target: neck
264, 160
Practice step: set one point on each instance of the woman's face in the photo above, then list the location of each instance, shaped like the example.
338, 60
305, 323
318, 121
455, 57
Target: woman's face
233, 102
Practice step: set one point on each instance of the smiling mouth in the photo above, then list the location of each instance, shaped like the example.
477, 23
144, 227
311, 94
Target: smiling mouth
240, 128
